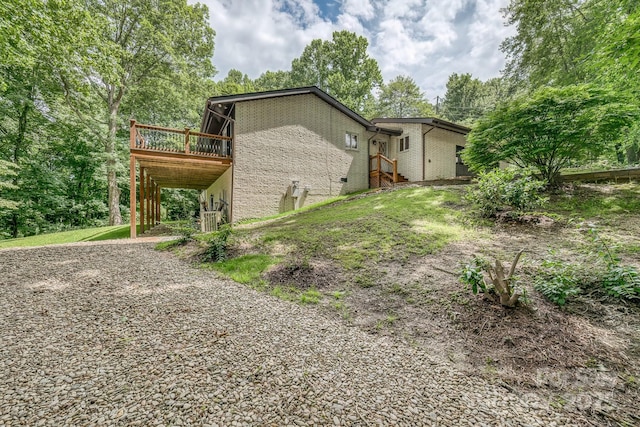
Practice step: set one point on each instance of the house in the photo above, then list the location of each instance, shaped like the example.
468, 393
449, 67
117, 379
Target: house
427, 149
260, 154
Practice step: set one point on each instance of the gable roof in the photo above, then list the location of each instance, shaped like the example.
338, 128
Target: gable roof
243, 97
431, 121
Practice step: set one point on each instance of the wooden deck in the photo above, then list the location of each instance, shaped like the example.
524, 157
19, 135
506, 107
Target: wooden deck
172, 158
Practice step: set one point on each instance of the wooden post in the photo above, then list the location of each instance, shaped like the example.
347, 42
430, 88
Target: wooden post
132, 134
141, 200
395, 170
153, 205
186, 141
132, 196
379, 170
148, 202
158, 204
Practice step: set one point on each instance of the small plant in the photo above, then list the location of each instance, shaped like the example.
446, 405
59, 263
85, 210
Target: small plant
507, 189
186, 230
310, 296
390, 319
473, 274
217, 245
557, 281
622, 282
618, 280
338, 295
364, 281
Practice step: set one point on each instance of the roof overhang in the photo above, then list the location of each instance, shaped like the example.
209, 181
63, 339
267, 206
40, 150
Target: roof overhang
221, 105
431, 121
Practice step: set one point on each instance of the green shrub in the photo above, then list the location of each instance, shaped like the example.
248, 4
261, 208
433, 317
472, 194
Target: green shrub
506, 189
186, 230
472, 274
217, 245
557, 281
622, 282
617, 280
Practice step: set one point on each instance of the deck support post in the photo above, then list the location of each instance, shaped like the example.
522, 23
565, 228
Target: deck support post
153, 204
148, 203
132, 180
158, 211
142, 198
132, 197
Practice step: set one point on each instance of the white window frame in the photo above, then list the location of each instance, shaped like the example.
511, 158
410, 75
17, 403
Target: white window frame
351, 141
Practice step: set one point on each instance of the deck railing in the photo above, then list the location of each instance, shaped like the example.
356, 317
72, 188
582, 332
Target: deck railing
383, 172
156, 138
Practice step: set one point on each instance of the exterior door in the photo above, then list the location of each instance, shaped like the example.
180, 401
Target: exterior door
461, 168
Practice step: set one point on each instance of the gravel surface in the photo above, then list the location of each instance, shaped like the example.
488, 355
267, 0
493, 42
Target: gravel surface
119, 334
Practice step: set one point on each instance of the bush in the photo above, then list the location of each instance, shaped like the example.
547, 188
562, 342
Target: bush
507, 189
557, 281
622, 282
600, 271
217, 245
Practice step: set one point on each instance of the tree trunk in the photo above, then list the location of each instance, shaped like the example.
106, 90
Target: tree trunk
18, 145
112, 162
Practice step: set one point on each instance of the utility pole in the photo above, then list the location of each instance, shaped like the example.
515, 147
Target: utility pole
437, 104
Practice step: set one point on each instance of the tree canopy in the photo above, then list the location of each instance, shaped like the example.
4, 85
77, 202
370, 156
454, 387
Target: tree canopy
402, 97
549, 129
341, 67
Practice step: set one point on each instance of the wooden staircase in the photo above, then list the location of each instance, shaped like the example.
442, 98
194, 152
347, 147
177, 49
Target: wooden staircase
383, 172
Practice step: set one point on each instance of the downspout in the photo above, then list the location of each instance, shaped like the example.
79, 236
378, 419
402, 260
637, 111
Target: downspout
424, 149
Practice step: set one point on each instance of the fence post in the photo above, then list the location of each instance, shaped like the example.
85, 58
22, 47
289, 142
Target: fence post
186, 140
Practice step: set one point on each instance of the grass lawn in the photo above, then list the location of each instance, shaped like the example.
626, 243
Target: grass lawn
82, 235
373, 227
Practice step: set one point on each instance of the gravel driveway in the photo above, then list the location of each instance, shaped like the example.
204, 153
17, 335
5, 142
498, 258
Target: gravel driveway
119, 334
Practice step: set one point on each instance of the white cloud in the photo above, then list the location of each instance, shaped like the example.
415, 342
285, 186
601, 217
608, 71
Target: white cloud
358, 9
425, 39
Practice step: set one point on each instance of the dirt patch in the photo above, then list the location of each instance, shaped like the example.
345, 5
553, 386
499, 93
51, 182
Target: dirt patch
584, 358
303, 274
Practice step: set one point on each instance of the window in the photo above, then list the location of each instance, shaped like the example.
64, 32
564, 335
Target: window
404, 143
351, 141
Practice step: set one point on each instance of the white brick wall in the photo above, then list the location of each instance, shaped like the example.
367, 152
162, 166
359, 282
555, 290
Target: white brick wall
439, 151
220, 187
301, 138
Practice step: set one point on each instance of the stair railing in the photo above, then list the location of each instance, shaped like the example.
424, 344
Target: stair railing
377, 172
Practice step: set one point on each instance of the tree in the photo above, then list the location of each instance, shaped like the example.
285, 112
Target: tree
549, 129
463, 100
7, 172
39, 41
340, 67
234, 83
402, 97
551, 39
142, 44
273, 80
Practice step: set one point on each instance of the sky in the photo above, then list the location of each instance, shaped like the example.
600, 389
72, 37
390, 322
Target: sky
425, 39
